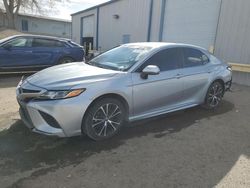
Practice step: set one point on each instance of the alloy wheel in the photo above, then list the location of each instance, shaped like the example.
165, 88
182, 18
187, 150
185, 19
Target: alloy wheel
107, 119
215, 95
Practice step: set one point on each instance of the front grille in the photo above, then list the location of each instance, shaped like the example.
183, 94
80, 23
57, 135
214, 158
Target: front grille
28, 94
28, 91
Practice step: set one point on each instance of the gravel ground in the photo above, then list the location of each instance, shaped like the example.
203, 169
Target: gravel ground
191, 148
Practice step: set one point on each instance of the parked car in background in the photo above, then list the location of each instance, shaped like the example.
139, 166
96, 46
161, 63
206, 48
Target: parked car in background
35, 52
127, 83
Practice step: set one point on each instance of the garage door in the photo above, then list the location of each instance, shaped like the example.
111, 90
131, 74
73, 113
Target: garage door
191, 21
88, 26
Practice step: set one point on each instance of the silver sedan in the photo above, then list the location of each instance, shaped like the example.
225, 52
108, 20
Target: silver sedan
128, 83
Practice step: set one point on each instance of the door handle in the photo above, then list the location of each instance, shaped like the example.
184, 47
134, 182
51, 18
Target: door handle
29, 51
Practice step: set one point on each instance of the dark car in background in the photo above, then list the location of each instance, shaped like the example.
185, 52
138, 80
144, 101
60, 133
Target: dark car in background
35, 52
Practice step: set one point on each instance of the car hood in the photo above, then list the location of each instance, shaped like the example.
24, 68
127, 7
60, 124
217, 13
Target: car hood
66, 76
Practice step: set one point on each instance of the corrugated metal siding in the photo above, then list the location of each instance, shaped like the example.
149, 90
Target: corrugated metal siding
191, 21
233, 41
76, 25
43, 26
155, 21
242, 78
133, 21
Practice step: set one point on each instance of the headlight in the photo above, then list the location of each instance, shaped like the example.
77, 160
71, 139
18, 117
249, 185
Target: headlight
61, 94
229, 68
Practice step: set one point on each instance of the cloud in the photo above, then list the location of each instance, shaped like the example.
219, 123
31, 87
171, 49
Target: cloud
64, 10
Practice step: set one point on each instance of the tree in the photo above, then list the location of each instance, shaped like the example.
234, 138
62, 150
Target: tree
12, 8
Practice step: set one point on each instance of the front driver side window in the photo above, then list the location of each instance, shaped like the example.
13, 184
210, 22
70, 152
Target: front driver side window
167, 59
18, 42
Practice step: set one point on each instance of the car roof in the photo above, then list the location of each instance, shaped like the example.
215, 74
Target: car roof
155, 45
41, 36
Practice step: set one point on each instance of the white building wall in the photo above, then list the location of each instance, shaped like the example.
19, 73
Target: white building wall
155, 27
45, 26
132, 21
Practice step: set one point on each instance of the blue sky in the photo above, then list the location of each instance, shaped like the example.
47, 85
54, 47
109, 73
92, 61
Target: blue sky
63, 10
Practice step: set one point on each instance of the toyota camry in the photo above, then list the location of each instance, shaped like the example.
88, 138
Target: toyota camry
130, 82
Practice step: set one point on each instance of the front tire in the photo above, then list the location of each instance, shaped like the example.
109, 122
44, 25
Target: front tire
214, 95
104, 119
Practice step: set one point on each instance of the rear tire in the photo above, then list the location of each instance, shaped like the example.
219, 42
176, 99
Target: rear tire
65, 60
104, 119
214, 95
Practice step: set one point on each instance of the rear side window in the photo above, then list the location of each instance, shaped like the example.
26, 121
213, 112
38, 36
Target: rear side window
167, 59
194, 57
37, 42
59, 44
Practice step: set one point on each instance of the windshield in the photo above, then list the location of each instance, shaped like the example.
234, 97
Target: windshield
120, 58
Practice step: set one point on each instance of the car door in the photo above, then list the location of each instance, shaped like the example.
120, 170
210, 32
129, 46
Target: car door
46, 51
195, 74
158, 92
16, 53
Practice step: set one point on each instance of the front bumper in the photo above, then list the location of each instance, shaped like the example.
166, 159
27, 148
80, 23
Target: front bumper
67, 115
61, 118
34, 121
29, 124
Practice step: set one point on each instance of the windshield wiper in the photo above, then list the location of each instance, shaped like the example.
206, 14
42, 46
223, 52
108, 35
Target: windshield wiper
101, 66
92, 63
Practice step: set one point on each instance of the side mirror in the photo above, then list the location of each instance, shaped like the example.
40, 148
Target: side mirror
150, 70
7, 46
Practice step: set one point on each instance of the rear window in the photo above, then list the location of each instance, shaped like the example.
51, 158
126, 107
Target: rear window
194, 57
